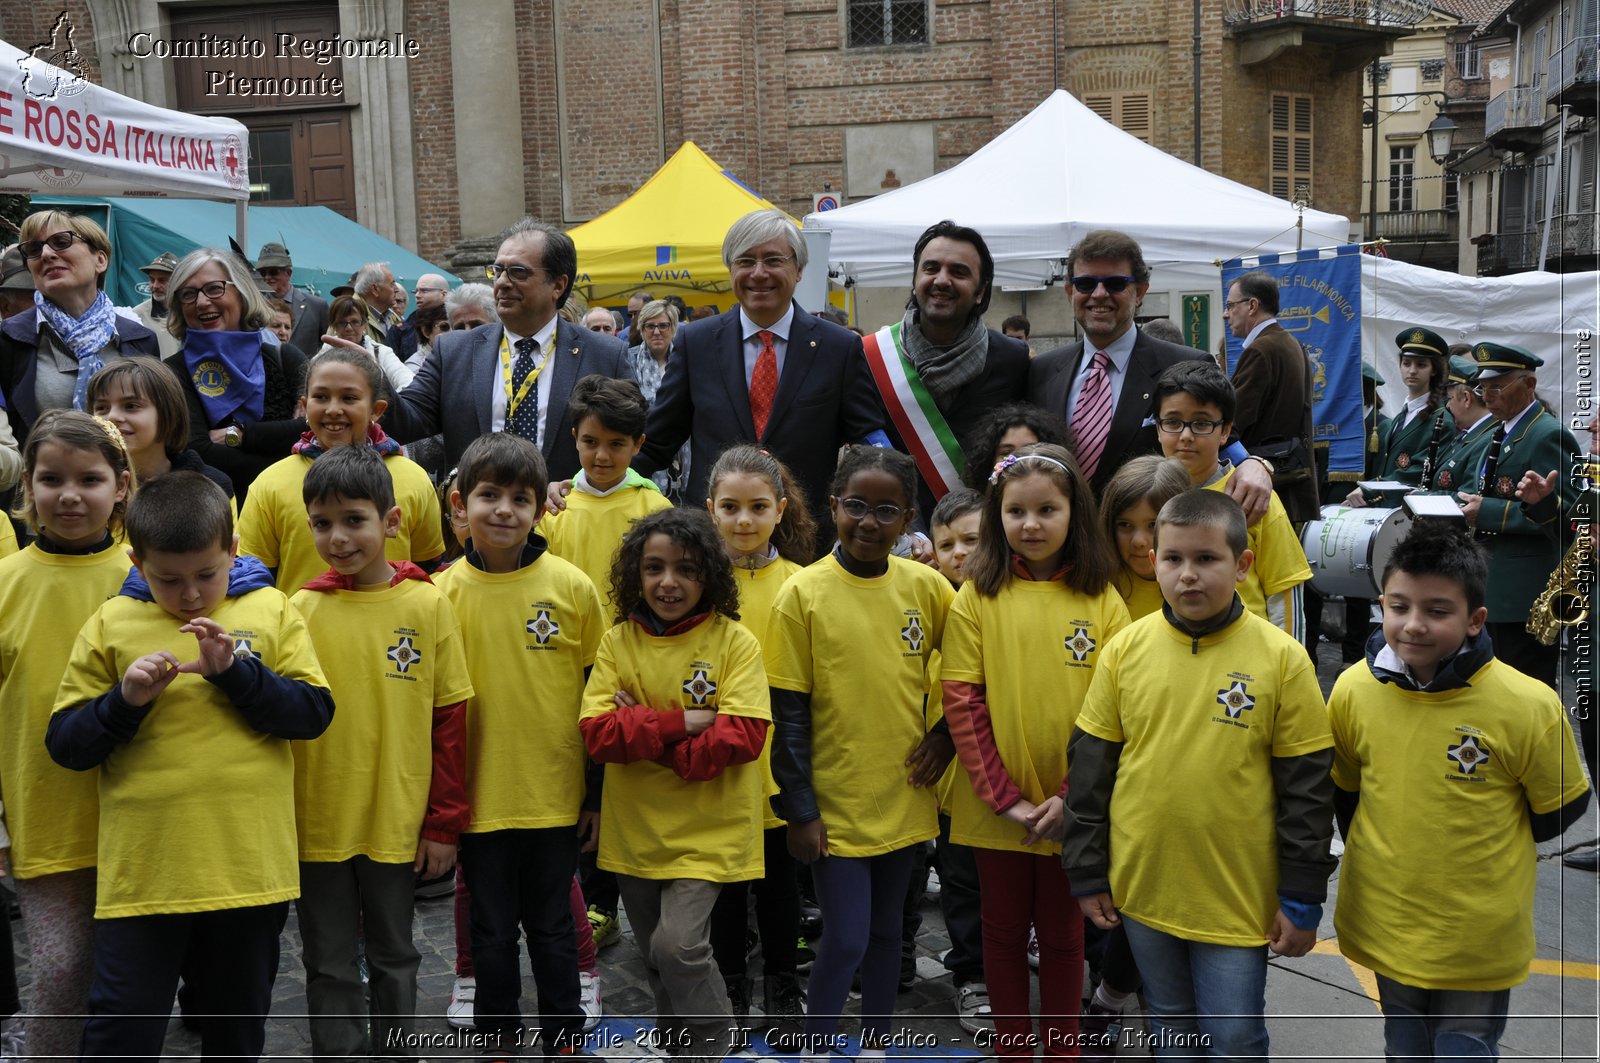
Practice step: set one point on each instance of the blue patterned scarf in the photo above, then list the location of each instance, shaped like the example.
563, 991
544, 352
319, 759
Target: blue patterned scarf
85, 337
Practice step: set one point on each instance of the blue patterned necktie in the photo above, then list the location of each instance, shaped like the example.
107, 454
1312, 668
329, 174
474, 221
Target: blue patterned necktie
524, 421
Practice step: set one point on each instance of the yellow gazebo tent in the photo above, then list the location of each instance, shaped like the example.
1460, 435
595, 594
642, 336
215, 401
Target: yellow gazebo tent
666, 237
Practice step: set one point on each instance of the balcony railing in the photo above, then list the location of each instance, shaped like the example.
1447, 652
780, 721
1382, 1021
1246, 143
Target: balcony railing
1573, 75
1374, 13
1513, 112
1572, 236
1411, 226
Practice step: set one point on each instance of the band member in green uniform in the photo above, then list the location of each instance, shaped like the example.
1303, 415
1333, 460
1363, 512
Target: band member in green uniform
1461, 459
1403, 447
1523, 550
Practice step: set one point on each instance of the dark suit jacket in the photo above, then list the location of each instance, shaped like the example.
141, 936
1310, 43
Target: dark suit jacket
453, 392
825, 399
1133, 429
1004, 380
19, 362
1272, 385
310, 320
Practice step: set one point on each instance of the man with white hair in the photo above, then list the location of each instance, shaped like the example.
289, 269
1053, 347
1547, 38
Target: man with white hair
764, 372
375, 284
430, 292
469, 306
600, 320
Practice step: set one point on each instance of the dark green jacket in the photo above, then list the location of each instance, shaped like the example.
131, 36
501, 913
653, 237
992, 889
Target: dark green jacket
1461, 461
1523, 550
1401, 451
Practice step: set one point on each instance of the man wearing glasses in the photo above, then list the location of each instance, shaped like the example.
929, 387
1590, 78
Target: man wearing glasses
514, 375
764, 372
1522, 551
309, 314
430, 292
1104, 384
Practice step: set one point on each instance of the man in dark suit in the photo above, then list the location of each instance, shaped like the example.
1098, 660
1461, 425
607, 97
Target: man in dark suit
763, 372
967, 369
309, 314
1272, 385
517, 375
1108, 280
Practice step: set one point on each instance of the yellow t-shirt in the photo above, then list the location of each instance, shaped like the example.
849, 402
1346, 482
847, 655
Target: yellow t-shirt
44, 599
8, 537
954, 774
1141, 596
590, 529
758, 589
1436, 885
654, 824
529, 636
1034, 647
196, 789
391, 657
860, 648
1280, 562
1194, 848
273, 525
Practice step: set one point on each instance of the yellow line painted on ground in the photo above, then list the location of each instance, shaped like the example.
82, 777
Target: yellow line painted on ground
1369, 983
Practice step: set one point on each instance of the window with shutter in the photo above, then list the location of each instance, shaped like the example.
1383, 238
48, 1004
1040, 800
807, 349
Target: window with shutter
1128, 111
1291, 145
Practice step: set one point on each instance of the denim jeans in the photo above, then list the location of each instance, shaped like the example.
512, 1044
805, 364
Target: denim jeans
1441, 1024
1202, 997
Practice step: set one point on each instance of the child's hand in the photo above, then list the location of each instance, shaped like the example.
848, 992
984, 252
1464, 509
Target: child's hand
434, 859
623, 700
808, 842
216, 647
147, 677
697, 720
588, 831
1286, 939
1021, 814
928, 761
1045, 822
1098, 909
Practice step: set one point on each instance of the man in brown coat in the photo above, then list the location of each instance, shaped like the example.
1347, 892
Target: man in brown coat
1273, 384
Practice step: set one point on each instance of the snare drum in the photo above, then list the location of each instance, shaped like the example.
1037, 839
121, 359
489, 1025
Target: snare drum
1348, 548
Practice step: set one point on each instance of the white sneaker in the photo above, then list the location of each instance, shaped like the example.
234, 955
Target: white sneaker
1033, 948
459, 1013
589, 999
972, 1008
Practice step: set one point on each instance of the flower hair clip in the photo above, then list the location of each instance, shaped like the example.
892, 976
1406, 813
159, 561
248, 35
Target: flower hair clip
1011, 459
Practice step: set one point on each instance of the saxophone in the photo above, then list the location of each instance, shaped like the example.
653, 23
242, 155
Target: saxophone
1564, 601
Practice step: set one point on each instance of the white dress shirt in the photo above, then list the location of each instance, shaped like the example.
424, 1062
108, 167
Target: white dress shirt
497, 407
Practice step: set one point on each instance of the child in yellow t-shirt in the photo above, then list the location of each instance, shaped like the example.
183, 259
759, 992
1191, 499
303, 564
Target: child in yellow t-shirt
197, 767
1020, 645
342, 408
1434, 740
532, 622
607, 496
677, 710
761, 513
1128, 506
76, 481
381, 796
1200, 810
1194, 415
847, 657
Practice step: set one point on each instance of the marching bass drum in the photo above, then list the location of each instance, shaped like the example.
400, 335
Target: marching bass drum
1348, 548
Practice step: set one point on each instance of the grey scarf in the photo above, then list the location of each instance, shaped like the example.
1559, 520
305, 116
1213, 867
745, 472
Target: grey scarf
945, 370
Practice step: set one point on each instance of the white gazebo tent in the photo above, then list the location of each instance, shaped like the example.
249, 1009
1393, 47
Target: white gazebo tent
1061, 172
60, 132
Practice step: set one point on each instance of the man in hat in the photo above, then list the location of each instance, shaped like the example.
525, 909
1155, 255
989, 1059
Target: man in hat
1460, 460
16, 283
153, 311
308, 313
1523, 551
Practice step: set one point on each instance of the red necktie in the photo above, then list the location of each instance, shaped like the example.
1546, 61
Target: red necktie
1091, 420
763, 383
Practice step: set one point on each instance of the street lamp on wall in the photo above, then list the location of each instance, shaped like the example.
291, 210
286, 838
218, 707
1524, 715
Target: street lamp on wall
1441, 133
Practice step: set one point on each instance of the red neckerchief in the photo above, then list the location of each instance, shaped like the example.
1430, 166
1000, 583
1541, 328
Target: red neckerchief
332, 581
1019, 568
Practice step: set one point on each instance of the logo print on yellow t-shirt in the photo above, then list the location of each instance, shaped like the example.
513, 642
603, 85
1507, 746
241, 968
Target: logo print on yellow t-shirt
243, 648
699, 687
912, 632
404, 655
1080, 644
1468, 755
543, 628
1235, 700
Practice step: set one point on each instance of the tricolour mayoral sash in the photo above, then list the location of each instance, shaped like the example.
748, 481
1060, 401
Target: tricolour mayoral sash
914, 413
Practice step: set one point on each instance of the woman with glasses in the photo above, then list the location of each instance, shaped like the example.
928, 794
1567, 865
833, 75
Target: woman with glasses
654, 326
48, 354
241, 383
347, 319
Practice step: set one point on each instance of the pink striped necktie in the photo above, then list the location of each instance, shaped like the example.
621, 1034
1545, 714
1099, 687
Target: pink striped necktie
1091, 420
